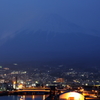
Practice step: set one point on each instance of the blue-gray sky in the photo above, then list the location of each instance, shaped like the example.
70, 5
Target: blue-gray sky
16, 15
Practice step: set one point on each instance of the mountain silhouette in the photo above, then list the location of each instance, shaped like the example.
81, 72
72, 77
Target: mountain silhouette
52, 38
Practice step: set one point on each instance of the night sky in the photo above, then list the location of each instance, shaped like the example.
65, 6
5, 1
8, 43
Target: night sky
50, 30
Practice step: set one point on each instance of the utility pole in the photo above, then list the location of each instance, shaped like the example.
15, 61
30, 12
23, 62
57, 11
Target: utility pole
16, 82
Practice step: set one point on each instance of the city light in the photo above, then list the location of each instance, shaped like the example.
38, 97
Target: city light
71, 96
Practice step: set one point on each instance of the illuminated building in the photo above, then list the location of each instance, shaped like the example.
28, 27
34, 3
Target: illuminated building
59, 80
71, 96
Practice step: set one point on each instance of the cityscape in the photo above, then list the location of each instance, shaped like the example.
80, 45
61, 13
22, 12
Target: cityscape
30, 77
48, 74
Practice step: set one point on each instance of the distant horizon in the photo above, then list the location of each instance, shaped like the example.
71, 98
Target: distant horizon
64, 61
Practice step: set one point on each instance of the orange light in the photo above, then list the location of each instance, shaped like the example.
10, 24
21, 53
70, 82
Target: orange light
43, 97
20, 86
70, 95
33, 97
14, 82
96, 91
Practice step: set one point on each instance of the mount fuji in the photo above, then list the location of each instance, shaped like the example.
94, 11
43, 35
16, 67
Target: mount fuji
51, 37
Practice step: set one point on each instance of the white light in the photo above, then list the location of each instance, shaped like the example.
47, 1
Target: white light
33, 84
